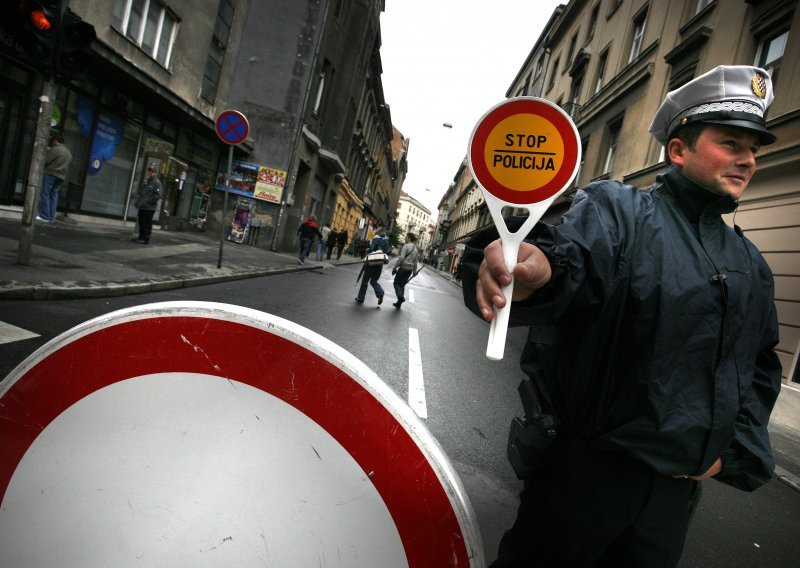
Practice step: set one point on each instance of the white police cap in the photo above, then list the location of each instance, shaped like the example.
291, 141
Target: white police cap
735, 95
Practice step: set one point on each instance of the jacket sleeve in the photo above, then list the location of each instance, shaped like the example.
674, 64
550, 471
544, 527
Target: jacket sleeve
587, 254
748, 463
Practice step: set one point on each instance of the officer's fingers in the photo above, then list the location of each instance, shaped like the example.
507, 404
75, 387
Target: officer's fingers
488, 293
533, 269
495, 263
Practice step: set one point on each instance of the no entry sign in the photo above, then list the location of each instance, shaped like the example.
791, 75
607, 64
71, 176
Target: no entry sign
524, 150
232, 127
198, 434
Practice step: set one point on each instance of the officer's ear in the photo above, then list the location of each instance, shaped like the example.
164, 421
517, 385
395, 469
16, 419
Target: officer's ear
676, 151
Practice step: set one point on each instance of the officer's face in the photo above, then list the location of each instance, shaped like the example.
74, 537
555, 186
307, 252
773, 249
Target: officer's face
723, 159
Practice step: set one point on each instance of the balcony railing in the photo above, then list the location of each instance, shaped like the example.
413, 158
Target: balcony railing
573, 110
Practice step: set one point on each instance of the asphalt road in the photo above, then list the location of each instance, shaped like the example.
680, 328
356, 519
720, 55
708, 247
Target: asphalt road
469, 400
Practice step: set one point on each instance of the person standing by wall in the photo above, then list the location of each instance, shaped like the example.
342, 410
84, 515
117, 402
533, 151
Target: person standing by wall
341, 242
55, 172
404, 268
307, 231
147, 202
664, 333
370, 274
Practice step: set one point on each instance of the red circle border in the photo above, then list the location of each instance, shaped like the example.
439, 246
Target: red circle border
538, 107
419, 505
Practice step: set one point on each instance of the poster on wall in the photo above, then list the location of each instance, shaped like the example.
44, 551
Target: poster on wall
252, 180
241, 219
269, 186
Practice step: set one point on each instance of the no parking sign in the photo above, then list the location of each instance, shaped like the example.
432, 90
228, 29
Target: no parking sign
200, 434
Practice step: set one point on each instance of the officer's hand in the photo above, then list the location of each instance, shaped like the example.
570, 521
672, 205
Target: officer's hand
531, 273
715, 468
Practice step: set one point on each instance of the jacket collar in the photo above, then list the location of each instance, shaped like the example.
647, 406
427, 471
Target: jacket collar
693, 199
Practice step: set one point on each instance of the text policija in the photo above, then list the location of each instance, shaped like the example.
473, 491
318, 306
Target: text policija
525, 154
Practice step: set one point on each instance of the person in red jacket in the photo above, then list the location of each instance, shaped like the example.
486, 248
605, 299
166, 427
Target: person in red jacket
307, 231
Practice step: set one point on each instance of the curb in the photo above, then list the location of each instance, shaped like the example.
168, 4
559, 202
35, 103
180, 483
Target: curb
16, 290
787, 478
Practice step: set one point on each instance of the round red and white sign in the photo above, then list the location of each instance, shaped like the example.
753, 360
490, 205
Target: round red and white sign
200, 434
524, 150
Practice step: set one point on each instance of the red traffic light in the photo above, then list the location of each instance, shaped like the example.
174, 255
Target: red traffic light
40, 21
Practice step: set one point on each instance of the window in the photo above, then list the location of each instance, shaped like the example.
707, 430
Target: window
149, 25
638, 34
601, 71
592, 22
539, 68
576, 91
216, 51
771, 56
571, 51
553, 74
323, 74
702, 5
613, 141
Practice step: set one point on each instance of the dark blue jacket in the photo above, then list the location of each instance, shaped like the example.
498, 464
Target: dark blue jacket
665, 328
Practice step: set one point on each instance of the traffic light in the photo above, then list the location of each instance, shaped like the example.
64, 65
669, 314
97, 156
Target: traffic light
39, 33
74, 45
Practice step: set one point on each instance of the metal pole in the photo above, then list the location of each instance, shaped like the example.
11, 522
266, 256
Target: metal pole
36, 171
225, 204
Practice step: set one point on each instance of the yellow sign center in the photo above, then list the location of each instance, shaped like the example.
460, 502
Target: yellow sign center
524, 152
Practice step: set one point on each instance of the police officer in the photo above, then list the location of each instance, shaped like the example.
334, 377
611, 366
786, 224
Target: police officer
663, 329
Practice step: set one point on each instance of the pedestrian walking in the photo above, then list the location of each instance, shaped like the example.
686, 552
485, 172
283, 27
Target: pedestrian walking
655, 323
307, 231
371, 274
331, 241
55, 172
404, 268
341, 242
322, 242
147, 203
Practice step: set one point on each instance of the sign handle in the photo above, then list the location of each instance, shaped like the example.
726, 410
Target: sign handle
498, 329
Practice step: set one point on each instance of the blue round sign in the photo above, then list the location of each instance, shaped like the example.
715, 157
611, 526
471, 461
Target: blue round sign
232, 127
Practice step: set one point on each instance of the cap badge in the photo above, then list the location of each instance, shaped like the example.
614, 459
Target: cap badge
759, 86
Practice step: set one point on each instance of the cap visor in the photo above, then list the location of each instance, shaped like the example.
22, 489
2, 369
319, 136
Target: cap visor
764, 135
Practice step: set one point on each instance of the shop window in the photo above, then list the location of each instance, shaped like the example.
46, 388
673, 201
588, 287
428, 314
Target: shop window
149, 25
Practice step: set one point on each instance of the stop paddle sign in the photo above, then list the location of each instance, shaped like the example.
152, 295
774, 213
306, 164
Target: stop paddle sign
523, 153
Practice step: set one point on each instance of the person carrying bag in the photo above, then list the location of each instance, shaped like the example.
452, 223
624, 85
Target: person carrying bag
372, 267
404, 268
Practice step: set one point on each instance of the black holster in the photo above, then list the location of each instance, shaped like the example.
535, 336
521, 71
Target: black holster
529, 438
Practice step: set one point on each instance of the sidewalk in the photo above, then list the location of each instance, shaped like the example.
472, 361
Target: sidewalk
88, 257
82, 257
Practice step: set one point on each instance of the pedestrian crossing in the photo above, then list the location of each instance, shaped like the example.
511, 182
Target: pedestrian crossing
11, 333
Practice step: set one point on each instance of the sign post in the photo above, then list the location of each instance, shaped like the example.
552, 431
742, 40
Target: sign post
522, 153
232, 128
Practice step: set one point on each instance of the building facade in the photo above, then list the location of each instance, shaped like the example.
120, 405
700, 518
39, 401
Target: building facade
413, 217
609, 64
306, 74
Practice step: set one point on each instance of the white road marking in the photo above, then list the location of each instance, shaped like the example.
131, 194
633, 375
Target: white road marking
416, 385
409, 295
10, 333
